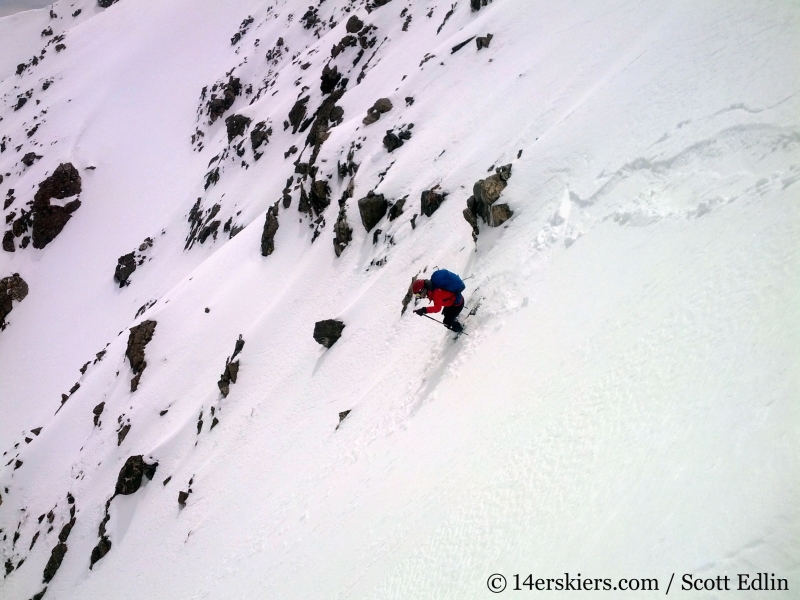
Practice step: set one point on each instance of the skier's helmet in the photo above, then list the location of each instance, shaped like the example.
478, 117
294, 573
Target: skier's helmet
418, 287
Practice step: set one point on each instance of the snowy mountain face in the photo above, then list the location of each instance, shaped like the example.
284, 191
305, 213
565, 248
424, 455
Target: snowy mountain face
194, 191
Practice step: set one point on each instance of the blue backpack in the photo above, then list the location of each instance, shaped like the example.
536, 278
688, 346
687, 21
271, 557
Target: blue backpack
445, 280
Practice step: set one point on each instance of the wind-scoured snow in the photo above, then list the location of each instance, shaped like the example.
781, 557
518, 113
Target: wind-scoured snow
625, 401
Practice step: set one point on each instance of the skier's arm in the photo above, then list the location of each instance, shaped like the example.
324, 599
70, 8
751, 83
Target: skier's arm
436, 298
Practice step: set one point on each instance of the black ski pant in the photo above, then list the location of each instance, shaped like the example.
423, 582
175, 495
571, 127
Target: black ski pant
450, 314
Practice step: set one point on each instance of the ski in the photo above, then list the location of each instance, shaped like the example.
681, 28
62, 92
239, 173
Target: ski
471, 312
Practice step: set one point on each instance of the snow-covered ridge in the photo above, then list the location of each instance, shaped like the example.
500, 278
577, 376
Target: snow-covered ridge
208, 180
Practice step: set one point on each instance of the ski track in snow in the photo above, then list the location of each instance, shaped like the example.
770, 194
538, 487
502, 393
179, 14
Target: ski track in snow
624, 403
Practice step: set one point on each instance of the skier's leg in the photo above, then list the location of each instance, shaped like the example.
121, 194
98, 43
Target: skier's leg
450, 314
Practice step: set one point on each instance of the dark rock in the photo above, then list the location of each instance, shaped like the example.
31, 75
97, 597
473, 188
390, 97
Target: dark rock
21, 101
329, 79
382, 105
354, 24
208, 231
49, 220
218, 105
320, 124
97, 411
182, 498
123, 431
347, 41
231, 371
103, 547
17, 464
337, 115
66, 530
140, 336
53, 564
270, 229
212, 177
477, 4
298, 113
130, 476
40, 595
260, 136
483, 42
482, 202
319, 196
397, 209
458, 47
343, 233
30, 158
431, 201
328, 332
106, 3
376, 4
372, 208
342, 417
126, 265
8, 241
391, 141
471, 217
500, 214
64, 182
236, 126
14, 287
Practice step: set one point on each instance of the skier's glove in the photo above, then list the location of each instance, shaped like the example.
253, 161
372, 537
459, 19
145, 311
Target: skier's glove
421, 311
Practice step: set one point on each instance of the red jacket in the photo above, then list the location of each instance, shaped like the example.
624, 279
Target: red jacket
442, 298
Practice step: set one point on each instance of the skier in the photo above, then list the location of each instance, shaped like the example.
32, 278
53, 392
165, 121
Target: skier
444, 290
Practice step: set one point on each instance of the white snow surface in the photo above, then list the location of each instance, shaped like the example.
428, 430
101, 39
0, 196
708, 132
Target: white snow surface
625, 404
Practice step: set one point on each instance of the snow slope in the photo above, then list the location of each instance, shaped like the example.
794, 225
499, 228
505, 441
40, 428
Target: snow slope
625, 404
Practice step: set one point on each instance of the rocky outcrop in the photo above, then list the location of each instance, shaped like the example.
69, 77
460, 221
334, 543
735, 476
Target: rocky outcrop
397, 209
328, 332
129, 481
231, 371
342, 417
60, 550
97, 411
106, 3
354, 24
45, 219
270, 229
54, 562
431, 201
11, 288
319, 197
130, 475
30, 158
298, 113
483, 42
259, 136
222, 97
372, 208
139, 337
382, 105
342, 232
126, 265
482, 203
236, 125
329, 79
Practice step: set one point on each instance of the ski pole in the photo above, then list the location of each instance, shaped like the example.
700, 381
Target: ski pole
448, 327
